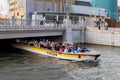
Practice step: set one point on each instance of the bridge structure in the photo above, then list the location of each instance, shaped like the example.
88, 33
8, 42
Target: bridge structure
13, 28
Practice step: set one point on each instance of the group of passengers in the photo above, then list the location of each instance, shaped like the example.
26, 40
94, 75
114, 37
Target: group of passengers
54, 45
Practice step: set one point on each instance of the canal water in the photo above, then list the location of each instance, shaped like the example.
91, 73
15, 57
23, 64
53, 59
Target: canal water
18, 64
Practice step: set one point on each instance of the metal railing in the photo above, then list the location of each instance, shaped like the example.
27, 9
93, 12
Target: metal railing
18, 24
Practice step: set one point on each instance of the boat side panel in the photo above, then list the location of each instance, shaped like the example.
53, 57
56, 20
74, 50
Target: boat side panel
83, 56
69, 56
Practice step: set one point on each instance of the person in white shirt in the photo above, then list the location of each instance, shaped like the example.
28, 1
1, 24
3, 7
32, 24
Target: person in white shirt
106, 25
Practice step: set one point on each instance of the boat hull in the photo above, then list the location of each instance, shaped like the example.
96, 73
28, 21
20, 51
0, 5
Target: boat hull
67, 56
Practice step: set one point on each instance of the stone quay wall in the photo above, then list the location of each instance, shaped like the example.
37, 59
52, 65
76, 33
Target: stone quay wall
102, 37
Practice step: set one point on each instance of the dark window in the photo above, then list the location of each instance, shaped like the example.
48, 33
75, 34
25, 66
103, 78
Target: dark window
17, 14
83, 3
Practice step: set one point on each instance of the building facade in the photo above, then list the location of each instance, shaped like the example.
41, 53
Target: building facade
3, 9
19, 9
22, 9
16, 9
110, 5
119, 12
34, 10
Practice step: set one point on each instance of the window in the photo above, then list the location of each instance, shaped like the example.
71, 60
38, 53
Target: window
17, 13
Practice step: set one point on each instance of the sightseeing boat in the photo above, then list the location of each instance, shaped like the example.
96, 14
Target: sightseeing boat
81, 56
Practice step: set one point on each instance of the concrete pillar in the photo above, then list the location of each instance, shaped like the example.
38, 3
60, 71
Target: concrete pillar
34, 18
83, 30
68, 32
79, 18
79, 22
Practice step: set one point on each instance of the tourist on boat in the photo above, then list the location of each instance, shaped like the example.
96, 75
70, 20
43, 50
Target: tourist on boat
18, 41
44, 40
78, 49
62, 48
26, 42
40, 44
36, 44
47, 45
52, 45
57, 47
67, 48
30, 43
85, 50
74, 48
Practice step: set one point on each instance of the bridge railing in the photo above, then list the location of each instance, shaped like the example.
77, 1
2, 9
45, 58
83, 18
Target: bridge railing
29, 24
11, 24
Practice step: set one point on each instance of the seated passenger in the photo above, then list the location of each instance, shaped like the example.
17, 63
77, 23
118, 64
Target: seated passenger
78, 49
69, 50
35, 45
47, 45
74, 49
85, 50
53, 48
62, 48
66, 50
57, 47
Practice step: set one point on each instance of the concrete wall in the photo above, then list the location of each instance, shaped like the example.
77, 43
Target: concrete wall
76, 36
103, 37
